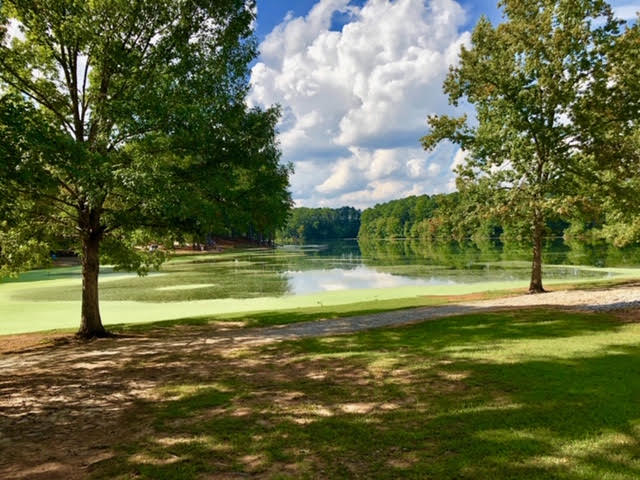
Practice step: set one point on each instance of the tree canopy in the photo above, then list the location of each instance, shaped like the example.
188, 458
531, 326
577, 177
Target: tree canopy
609, 119
121, 121
527, 78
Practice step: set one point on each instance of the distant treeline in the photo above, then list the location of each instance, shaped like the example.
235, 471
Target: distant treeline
410, 217
444, 218
306, 224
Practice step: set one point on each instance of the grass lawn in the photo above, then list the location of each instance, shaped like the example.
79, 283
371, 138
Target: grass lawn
530, 394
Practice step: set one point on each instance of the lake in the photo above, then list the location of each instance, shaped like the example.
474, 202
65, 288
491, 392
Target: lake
349, 265
345, 265
302, 276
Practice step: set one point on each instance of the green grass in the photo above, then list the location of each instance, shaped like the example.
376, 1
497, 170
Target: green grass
284, 317
535, 394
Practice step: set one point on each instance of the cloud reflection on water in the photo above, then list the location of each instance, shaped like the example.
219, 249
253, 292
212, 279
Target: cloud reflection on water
361, 277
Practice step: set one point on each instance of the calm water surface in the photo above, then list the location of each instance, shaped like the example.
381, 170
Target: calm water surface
337, 266
348, 265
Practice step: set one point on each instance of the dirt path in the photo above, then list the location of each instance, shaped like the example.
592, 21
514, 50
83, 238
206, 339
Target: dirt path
590, 300
62, 408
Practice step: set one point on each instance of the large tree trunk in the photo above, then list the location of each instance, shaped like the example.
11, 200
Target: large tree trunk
91, 323
536, 268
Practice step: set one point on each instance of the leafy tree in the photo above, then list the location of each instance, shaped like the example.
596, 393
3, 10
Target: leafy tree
609, 120
250, 197
123, 120
525, 78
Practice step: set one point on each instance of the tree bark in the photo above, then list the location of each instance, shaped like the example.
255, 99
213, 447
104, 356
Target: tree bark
535, 286
91, 323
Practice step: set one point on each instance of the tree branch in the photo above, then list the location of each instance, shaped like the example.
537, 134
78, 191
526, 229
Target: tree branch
30, 91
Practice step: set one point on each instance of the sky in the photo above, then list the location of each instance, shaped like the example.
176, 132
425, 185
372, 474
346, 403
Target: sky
356, 81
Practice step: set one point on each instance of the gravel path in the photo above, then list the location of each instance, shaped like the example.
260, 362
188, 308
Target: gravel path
618, 298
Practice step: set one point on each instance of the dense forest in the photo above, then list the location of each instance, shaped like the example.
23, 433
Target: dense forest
452, 217
443, 218
464, 216
415, 216
306, 224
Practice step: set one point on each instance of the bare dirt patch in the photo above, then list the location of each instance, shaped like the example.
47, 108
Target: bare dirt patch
631, 315
30, 341
62, 409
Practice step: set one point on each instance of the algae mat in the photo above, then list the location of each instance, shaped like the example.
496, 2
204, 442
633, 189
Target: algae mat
21, 315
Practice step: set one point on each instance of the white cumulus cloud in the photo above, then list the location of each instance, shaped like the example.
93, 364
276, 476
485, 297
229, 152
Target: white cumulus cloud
355, 101
626, 11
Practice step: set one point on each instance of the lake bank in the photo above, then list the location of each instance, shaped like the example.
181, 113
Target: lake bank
243, 283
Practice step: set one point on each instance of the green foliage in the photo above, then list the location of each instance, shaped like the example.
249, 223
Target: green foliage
609, 121
444, 218
321, 224
521, 148
527, 78
397, 218
120, 116
18, 251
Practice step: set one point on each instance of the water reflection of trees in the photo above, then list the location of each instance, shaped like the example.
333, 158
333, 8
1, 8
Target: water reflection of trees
487, 259
452, 255
601, 254
491, 251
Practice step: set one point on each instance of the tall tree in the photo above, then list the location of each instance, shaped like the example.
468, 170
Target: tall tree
525, 78
609, 121
121, 115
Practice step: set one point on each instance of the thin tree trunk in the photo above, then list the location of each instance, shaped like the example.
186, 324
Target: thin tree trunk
536, 268
91, 323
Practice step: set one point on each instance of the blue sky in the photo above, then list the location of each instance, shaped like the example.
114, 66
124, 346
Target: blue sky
356, 80
272, 12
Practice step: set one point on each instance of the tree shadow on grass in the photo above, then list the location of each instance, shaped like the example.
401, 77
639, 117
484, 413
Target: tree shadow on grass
540, 419
398, 404
475, 331
576, 418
